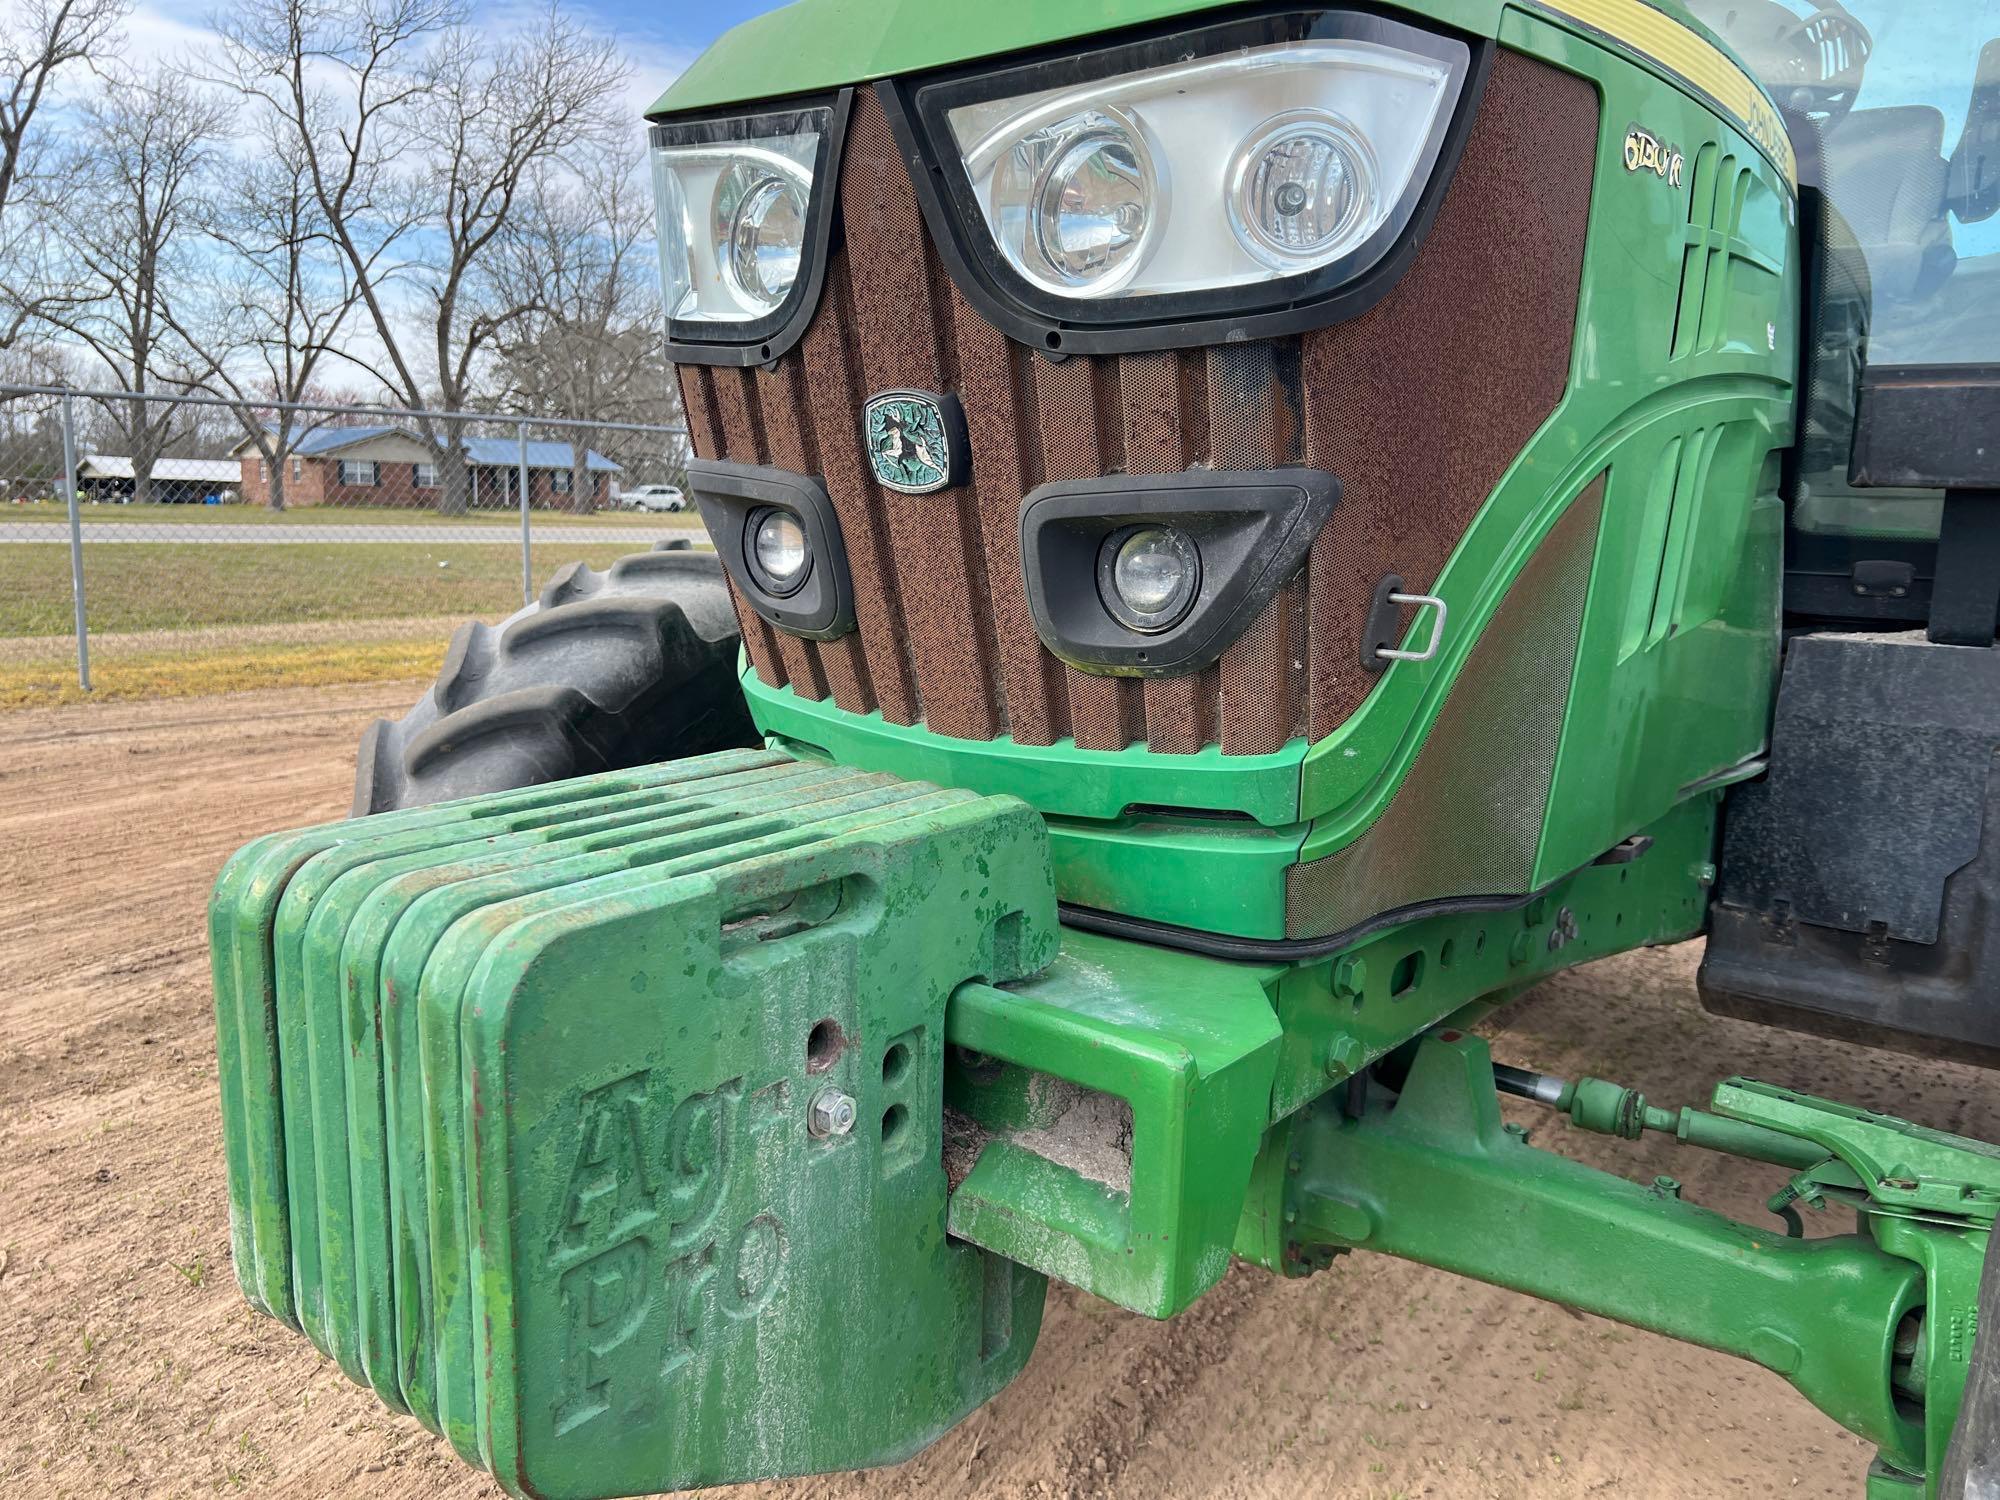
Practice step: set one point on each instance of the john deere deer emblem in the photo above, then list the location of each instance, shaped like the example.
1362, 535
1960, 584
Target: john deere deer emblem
916, 441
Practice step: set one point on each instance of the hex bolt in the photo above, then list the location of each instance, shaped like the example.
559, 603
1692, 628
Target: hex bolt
830, 1113
1343, 1056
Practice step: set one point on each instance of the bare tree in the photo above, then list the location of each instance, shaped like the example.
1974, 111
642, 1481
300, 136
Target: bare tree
420, 132
130, 223
281, 291
40, 42
576, 260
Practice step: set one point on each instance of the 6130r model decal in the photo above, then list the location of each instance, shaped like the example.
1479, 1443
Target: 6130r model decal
1646, 152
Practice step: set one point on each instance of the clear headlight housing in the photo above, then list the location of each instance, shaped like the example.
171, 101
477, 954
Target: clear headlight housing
1298, 147
738, 218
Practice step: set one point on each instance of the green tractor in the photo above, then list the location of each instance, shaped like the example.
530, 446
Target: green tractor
1245, 536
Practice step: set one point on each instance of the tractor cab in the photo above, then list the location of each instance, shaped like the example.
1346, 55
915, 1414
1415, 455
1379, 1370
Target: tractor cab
1895, 114
1852, 873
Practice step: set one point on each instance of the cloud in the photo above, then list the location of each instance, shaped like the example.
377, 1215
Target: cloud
655, 65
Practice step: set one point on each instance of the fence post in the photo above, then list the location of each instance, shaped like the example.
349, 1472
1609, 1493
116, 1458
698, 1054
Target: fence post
527, 544
75, 544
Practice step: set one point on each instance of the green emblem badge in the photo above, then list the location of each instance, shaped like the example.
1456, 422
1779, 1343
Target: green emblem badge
916, 441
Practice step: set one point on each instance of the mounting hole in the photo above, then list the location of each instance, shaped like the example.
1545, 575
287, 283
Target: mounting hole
1479, 943
895, 1063
1407, 975
1447, 951
894, 1119
1053, 339
823, 1045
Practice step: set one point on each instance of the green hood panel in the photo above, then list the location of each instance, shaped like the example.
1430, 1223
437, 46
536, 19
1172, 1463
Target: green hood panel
822, 44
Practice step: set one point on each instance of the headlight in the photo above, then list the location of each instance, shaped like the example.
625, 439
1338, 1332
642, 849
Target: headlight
778, 552
743, 210
760, 219
1252, 165
1181, 563
1148, 576
778, 537
1075, 203
1301, 188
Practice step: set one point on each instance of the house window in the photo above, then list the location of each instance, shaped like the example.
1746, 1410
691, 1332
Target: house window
263, 471
298, 468
360, 471
561, 481
427, 476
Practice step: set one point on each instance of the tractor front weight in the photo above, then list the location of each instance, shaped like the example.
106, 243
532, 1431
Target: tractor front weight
1873, 1327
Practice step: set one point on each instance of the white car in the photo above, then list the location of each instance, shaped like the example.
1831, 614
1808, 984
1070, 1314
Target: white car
654, 497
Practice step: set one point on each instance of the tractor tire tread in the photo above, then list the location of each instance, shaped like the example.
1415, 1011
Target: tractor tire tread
607, 669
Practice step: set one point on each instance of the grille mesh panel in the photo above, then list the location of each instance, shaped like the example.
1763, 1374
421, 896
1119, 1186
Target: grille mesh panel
1417, 406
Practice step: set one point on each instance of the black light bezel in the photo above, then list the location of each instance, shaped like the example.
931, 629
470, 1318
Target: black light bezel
755, 341
820, 607
1250, 529
1057, 325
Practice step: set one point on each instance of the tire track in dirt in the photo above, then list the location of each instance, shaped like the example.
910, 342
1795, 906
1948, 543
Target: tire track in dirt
131, 1362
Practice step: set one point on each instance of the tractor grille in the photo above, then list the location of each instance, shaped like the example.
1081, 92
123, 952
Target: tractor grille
1417, 406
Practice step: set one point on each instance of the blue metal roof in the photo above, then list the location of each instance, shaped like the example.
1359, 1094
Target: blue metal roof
319, 439
495, 452
502, 452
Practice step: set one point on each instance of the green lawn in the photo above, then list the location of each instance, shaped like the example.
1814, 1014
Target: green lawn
329, 515
228, 669
191, 585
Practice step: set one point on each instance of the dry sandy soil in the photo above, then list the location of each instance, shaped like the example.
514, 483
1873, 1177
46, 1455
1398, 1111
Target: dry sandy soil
128, 1362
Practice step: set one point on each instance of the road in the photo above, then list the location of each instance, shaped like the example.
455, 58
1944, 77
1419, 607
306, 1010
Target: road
102, 533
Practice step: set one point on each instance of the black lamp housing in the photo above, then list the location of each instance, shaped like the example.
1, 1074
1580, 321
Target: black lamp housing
1250, 530
919, 109
757, 341
820, 606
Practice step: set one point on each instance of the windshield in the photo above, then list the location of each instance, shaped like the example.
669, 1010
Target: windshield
1895, 106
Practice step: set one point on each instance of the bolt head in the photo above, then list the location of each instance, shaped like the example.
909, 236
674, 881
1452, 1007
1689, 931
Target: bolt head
1343, 1056
831, 1113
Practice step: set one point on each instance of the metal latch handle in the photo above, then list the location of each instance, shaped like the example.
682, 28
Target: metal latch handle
1421, 601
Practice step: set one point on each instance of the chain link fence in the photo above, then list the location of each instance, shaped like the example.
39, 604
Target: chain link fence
172, 544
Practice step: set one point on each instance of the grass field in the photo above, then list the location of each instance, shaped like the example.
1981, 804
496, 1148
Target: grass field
327, 515
191, 586
224, 667
170, 619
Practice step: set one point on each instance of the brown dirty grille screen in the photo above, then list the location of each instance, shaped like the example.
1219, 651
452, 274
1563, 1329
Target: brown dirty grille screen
1417, 407
1467, 820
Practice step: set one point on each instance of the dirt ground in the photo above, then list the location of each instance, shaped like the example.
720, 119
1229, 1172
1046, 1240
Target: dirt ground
129, 1363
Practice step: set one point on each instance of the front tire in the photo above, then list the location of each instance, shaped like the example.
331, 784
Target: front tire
605, 671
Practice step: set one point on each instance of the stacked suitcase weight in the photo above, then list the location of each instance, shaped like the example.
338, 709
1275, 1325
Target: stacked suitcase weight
401, 1004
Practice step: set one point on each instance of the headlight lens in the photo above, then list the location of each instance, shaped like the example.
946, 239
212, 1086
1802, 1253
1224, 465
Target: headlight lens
1287, 158
1076, 200
734, 201
1303, 187
1148, 576
778, 552
761, 217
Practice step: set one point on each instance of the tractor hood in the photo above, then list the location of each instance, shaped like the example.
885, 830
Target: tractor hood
822, 44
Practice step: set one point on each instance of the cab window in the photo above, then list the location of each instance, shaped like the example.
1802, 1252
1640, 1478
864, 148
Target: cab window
1896, 109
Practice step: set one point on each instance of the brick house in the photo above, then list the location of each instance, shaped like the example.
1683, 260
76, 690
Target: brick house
361, 466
